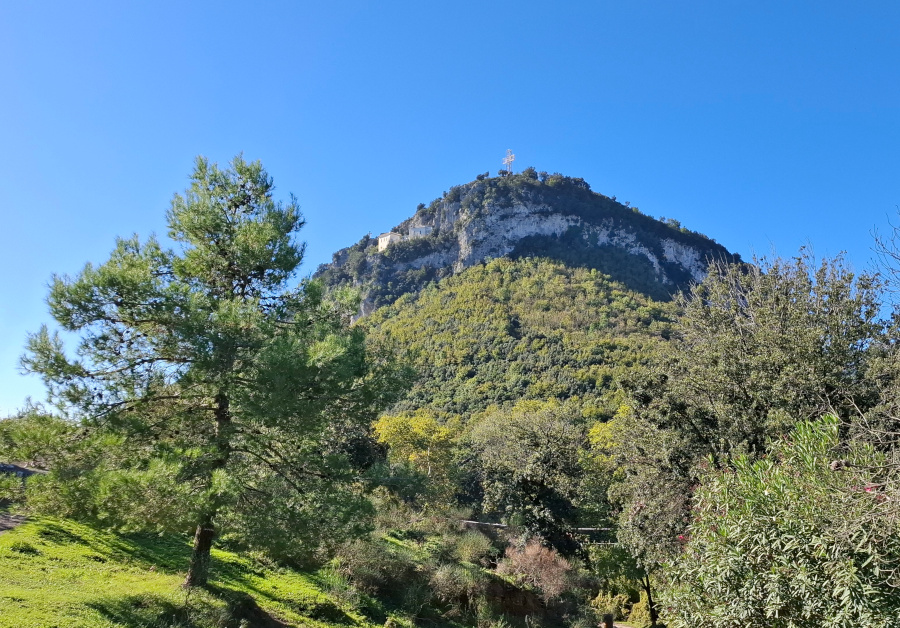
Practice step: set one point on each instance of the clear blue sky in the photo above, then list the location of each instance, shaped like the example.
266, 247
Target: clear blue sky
762, 124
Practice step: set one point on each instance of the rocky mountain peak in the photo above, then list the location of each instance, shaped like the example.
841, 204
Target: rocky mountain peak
525, 215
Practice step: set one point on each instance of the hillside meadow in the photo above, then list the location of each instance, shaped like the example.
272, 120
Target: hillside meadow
56, 572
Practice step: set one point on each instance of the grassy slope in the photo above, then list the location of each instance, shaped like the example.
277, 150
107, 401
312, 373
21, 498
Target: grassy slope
60, 573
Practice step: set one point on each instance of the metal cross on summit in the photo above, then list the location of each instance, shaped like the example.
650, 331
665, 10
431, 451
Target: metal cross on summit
508, 160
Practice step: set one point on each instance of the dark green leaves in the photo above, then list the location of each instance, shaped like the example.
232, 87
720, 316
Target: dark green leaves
206, 391
237, 240
787, 541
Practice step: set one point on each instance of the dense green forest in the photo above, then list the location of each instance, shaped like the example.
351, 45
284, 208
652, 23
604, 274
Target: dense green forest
511, 330
527, 441
770, 388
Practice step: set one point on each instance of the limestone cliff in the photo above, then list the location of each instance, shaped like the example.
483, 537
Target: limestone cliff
529, 214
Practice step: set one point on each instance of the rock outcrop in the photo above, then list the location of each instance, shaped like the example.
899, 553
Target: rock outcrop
526, 215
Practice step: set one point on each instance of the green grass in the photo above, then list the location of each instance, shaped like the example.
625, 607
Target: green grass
63, 574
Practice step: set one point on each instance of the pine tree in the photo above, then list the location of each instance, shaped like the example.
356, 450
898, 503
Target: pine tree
225, 393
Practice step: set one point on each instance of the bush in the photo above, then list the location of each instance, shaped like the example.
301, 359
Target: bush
338, 585
796, 539
619, 604
377, 568
458, 585
639, 616
474, 547
540, 567
11, 489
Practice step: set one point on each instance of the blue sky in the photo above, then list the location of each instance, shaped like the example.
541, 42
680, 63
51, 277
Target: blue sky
762, 124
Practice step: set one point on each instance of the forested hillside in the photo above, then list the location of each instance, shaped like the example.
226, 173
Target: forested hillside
554, 400
511, 330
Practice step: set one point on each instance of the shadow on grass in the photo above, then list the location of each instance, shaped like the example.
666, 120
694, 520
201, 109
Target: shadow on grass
237, 584
146, 611
150, 611
244, 605
167, 553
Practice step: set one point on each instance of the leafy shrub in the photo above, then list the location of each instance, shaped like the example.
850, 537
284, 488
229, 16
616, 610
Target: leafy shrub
338, 586
440, 548
619, 579
529, 462
376, 567
488, 617
415, 596
11, 488
457, 585
474, 547
794, 539
619, 604
392, 514
639, 616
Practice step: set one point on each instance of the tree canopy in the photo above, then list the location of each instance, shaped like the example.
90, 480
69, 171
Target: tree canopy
754, 350
207, 381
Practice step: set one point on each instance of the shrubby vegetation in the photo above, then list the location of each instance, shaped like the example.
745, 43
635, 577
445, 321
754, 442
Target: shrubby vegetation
526, 329
435, 570
754, 351
792, 539
529, 471
724, 459
706, 386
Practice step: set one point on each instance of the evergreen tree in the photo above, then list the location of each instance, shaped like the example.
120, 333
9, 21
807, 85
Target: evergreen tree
220, 389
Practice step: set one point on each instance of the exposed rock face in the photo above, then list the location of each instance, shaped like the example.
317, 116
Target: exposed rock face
557, 217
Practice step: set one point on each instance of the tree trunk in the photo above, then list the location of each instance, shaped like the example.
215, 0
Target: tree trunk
198, 572
651, 604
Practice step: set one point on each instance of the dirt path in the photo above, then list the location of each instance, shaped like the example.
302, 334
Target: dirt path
8, 522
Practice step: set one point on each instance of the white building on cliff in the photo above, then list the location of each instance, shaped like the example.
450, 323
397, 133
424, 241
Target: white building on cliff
387, 239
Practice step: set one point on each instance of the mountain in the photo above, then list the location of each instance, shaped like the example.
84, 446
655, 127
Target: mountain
517, 216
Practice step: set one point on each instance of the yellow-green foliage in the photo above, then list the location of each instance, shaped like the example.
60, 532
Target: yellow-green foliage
639, 616
59, 573
604, 438
618, 604
425, 442
521, 329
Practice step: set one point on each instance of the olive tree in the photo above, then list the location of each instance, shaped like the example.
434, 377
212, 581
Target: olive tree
528, 460
754, 348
